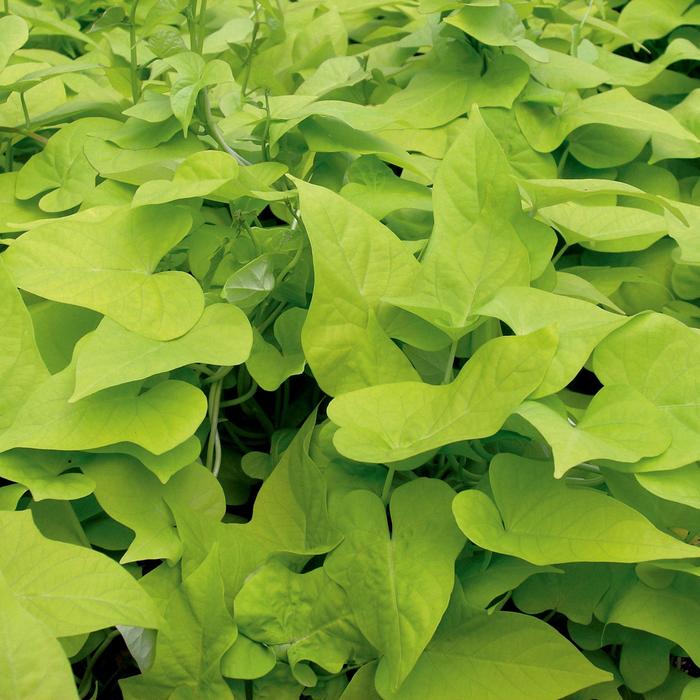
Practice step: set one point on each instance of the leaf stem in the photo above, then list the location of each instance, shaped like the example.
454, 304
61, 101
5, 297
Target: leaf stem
25, 112
447, 377
214, 131
24, 132
86, 681
200, 26
9, 156
135, 85
251, 52
387, 484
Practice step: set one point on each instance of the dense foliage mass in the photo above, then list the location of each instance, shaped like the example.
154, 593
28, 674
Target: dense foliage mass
350, 349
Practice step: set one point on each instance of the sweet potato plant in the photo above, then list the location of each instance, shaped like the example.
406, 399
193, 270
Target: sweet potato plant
349, 349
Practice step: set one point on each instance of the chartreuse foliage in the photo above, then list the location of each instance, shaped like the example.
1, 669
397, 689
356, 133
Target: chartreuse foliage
350, 349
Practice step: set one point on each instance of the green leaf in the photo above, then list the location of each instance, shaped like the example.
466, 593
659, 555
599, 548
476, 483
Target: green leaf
117, 478
399, 584
607, 228
62, 167
21, 366
374, 188
357, 261
112, 355
247, 659
485, 577
197, 632
545, 521
14, 32
270, 367
474, 249
471, 650
575, 591
391, 422
668, 612
496, 26
158, 419
192, 74
617, 108
70, 589
679, 485
306, 616
199, 175
660, 357
43, 474
24, 639
651, 19
580, 326
137, 166
619, 424
290, 516
106, 259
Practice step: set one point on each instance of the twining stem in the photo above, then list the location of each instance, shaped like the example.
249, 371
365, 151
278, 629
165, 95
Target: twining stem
135, 84
249, 58
242, 398
214, 405
218, 375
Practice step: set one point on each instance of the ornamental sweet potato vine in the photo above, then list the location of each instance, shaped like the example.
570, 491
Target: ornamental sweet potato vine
350, 349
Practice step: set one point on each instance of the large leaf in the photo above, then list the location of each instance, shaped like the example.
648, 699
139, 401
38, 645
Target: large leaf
474, 249
23, 640
199, 175
21, 366
503, 656
580, 325
158, 419
617, 108
395, 421
660, 357
290, 516
14, 32
544, 521
399, 584
197, 632
619, 424
105, 260
69, 588
112, 355
357, 261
